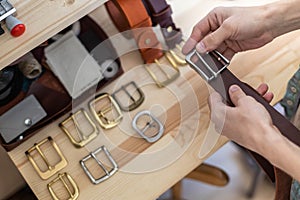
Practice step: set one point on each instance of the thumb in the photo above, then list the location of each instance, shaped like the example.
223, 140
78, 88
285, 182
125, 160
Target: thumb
236, 93
213, 40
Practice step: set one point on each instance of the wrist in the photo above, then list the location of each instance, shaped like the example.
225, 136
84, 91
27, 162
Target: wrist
282, 17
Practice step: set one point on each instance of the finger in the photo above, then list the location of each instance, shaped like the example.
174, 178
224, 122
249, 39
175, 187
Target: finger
229, 53
222, 48
262, 89
213, 40
268, 96
236, 93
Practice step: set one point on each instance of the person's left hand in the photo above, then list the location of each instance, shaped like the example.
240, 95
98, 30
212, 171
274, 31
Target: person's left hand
248, 122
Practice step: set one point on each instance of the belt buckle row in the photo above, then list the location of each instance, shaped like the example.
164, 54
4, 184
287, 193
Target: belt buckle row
52, 169
108, 173
208, 65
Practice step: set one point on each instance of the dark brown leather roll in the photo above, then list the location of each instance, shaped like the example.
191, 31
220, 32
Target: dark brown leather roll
132, 15
161, 13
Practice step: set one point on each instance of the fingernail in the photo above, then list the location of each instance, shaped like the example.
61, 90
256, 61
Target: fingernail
201, 47
233, 88
188, 46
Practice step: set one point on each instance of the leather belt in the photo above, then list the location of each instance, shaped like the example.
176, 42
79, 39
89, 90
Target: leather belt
213, 68
133, 15
161, 13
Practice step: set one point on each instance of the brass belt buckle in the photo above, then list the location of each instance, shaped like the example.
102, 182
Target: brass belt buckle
83, 138
108, 173
73, 192
208, 65
168, 78
173, 56
109, 105
152, 122
51, 169
136, 102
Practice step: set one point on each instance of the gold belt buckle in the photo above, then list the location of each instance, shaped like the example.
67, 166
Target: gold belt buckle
73, 192
152, 122
136, 102
108, 173
52, 169
83, 138
174, 57
109, 105
168, 78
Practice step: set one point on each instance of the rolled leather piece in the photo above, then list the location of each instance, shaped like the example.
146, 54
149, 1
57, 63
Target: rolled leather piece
161, 13
132, 15
49, 91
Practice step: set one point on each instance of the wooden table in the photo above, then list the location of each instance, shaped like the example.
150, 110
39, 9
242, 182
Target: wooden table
146, 171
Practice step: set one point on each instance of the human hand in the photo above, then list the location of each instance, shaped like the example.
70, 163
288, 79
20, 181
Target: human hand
231, 30
248, 123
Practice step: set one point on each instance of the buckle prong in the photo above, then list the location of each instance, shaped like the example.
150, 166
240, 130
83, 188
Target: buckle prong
208, 65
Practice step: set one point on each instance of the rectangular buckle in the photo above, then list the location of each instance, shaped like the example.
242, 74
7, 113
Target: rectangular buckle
86, 124
208, 65
52, 169
135, 102
73, 192
108, 173
6, 9
153, 122
107, 105
168, 78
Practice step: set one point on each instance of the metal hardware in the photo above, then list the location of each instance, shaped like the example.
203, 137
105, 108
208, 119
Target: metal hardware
111, 106
171, 54
153, 123
6, 9
83, 138
108, 173
208, 65
135, 102
62, 178
169, 78
52, 169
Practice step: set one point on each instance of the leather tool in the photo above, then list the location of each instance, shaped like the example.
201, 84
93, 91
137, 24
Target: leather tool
213, 68
132, 15
160, 12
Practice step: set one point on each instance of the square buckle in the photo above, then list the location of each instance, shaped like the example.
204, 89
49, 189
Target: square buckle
62, 178
168, 78
108, 173
135, 102
83, 139
208, 65
52, 169
153, 123
109, 105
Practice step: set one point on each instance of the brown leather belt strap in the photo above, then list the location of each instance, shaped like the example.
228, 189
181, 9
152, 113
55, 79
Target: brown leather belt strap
131, 14
221, 82
161, 13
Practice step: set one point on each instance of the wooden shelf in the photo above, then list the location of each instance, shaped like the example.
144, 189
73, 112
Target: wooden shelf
43, 19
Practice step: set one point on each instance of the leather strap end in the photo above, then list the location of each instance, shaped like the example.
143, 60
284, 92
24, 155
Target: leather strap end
157, 18
172, 38
150, 55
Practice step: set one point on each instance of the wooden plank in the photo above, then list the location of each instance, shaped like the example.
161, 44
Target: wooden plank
43, 19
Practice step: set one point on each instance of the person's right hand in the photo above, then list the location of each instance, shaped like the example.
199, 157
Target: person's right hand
231, 30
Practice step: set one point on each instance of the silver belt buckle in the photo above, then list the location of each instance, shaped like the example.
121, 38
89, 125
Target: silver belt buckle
208, 65
136, 102
108, 173
152, 122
